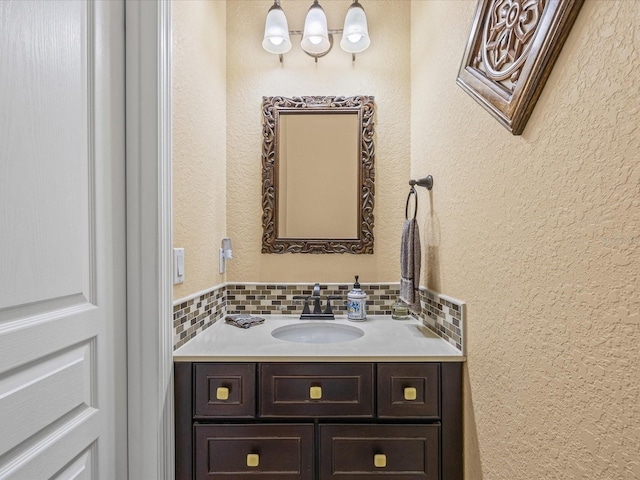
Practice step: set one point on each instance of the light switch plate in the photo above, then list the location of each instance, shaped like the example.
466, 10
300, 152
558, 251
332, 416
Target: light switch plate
178, 265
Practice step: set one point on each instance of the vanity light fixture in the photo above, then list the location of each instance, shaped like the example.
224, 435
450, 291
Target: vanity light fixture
355, 34
276, 31
317, 39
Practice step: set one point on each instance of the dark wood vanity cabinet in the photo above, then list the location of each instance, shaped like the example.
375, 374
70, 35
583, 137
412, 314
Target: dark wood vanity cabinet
265, 451
224, 390
316, 390
318, 421
354, 452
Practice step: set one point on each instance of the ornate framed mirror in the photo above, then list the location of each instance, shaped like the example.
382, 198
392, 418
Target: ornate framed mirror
318, 174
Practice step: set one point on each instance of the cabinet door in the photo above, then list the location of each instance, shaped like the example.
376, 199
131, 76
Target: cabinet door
316, 390
224, 390
265, 452
399, 452
410, 390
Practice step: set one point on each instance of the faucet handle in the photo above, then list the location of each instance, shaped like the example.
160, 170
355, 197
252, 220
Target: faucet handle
306, 298
328, 310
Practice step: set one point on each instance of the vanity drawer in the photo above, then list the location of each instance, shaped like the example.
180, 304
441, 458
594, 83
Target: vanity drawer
409, 390
401, 452
224, 390
266, 452
316, 390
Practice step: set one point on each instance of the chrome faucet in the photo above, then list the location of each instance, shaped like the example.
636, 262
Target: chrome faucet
317, 313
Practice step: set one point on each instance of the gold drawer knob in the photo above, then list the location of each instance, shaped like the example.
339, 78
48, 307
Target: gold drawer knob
410, 393
315, 393
253, 460
222, 393
380, 460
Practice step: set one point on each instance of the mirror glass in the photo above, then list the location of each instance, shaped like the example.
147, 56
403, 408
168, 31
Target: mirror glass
318, 186
317, 175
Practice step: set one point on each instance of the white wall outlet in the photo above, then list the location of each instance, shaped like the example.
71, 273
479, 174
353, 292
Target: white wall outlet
225, 254
178, 265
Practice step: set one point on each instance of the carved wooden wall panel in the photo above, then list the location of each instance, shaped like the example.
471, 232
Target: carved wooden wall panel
510, 53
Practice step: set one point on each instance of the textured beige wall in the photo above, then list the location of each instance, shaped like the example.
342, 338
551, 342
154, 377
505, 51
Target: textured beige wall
199, 140
382, 71
540, 234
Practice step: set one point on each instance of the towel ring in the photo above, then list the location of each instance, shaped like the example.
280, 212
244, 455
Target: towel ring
406, 208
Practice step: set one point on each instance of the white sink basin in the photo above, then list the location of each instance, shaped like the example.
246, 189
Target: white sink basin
317, 333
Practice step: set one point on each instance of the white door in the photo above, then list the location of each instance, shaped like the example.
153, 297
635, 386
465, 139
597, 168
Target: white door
62, 240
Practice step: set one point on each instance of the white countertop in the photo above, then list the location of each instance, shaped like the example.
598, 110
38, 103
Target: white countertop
384, 339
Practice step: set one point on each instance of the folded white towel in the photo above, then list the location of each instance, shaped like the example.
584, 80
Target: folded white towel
410, 259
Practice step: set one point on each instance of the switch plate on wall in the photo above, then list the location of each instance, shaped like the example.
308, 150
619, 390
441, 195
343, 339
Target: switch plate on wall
178, 265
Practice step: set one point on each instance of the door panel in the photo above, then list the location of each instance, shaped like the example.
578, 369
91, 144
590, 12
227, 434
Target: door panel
46, 153
66, 373
62, 244
79, 469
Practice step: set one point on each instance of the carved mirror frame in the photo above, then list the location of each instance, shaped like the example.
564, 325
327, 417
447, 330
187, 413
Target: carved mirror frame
272, 108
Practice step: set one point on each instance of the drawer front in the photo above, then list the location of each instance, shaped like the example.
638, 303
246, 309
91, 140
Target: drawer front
225, 390
401, 452
316, 390
267, 452
409, 390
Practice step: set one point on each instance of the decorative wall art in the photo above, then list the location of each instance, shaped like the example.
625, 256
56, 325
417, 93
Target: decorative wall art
511, 50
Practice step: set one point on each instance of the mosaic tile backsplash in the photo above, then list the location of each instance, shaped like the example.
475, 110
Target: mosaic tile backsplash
262, 299
194, 315
441, 314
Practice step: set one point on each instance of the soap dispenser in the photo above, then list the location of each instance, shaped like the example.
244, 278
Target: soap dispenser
356, 304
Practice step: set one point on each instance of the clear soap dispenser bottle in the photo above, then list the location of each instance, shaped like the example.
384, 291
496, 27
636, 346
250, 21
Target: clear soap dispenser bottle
356, 304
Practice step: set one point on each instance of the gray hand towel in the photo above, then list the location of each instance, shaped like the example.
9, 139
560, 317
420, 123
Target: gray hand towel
410, 259
243, 320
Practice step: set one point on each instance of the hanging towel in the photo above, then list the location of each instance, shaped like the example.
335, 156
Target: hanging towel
410, 259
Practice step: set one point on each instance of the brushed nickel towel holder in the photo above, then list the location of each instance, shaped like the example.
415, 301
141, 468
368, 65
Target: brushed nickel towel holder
426, 182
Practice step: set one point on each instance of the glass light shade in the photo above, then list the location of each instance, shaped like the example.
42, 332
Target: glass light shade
276, 32
355, 34
315, 39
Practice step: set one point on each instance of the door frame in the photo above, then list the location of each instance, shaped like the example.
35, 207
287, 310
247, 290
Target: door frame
149, 240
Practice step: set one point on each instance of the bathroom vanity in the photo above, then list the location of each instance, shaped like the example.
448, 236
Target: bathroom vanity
385, 404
